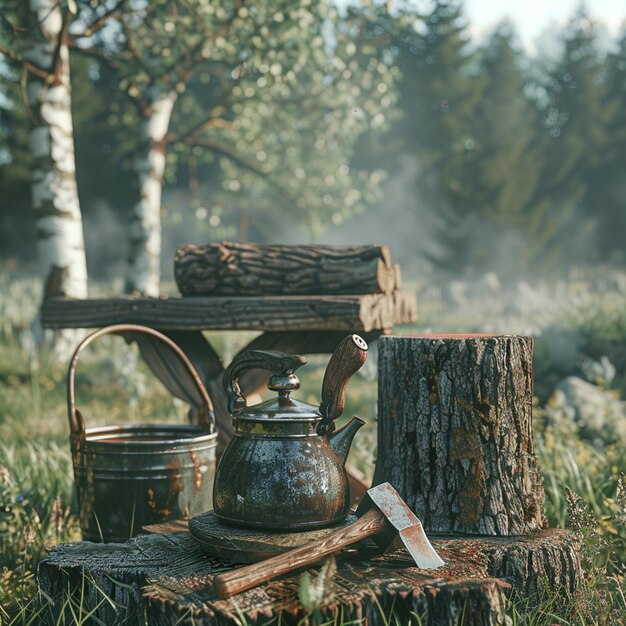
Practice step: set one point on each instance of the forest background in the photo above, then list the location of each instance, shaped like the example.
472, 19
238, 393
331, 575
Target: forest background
477, 156
497, 177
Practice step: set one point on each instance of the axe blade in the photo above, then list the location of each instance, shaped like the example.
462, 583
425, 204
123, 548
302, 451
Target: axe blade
407, 524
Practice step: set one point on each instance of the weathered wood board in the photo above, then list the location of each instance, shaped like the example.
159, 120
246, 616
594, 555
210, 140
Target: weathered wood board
165, 578
351, 313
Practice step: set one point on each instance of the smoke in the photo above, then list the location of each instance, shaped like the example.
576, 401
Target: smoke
105, 241
400, 220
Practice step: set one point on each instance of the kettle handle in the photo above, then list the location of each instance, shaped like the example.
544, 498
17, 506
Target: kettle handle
278, 363
346, 360
77, 423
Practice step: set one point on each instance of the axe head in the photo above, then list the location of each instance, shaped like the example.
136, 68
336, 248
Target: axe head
402, 523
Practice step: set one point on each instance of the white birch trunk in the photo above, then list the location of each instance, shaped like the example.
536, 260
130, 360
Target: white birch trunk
144, 246
58, 220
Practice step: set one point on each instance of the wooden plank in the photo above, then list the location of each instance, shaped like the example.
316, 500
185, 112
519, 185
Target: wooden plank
351, 313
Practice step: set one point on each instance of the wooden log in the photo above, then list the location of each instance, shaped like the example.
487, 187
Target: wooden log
455, 432
247, 269
352, 313
166, 578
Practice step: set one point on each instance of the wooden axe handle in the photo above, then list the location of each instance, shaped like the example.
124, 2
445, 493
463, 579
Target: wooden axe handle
244, 578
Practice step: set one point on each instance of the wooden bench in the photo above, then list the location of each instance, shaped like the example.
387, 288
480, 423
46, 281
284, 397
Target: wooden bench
293, 324
253, 288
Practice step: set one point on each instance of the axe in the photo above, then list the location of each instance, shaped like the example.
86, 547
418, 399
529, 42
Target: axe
388, 516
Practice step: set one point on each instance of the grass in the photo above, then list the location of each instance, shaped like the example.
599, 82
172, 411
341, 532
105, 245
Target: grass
37, 507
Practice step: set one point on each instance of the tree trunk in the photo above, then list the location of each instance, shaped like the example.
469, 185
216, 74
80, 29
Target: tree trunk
144, 243
58, 219
455, 432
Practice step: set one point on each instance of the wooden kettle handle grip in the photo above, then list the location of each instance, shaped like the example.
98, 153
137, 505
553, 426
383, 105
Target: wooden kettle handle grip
346, 360
244, 578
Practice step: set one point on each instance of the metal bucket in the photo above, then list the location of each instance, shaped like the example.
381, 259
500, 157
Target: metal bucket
132, 475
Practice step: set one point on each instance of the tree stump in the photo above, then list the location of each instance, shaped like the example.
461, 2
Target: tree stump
166, 579
455, 432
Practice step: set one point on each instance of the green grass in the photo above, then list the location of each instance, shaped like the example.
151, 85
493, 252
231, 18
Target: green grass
37, 507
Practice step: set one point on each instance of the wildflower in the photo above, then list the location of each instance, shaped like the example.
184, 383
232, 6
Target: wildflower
620, 498
57, 516
581, 519
29, 534
35, 520
5, 477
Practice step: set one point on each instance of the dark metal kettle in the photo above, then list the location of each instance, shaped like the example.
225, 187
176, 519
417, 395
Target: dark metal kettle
284, 467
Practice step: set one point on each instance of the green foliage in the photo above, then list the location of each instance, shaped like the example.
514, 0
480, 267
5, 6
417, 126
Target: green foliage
608, 185
519, 162
314, 591
265, 90
578, 121
601, 598
35, 488
439, 96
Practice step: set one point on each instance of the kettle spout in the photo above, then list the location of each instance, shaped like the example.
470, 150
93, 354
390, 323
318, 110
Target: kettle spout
341, 440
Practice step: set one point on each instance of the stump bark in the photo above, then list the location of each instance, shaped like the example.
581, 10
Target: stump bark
455, 432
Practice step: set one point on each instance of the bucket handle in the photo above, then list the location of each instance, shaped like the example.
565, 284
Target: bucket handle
206, 417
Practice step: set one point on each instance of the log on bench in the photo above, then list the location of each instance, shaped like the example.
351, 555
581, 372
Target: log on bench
246, 269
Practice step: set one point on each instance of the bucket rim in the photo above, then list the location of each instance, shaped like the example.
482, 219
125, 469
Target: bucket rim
98, 435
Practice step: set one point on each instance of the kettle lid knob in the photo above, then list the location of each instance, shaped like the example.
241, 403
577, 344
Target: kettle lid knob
283, 382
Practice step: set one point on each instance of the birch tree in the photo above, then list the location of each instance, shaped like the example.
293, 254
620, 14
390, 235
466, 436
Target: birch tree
144, 235
259, 86
38, 44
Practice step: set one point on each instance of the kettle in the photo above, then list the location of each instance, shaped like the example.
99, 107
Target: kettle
284, 467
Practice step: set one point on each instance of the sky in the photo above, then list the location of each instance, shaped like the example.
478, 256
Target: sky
532, 18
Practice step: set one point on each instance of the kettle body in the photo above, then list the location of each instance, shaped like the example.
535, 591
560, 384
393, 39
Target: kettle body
284, 467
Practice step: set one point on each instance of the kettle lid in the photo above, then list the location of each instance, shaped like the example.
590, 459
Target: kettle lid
282, 380
282, 407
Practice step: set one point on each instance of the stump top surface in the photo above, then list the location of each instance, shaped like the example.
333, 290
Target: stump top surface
177, 577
